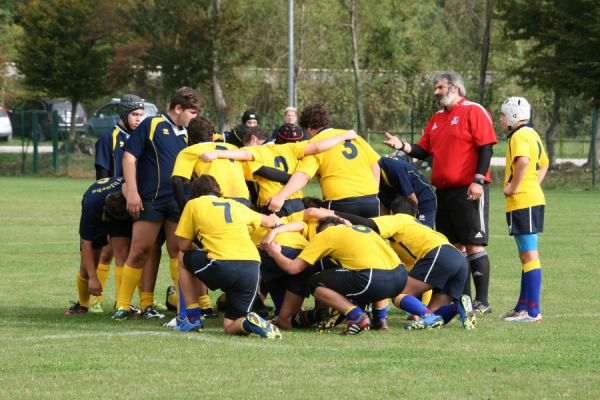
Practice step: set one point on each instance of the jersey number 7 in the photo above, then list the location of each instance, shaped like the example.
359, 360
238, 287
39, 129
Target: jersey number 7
226, 210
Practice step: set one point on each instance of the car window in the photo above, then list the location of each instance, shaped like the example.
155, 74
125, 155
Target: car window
3, 113
150, 110
110, 109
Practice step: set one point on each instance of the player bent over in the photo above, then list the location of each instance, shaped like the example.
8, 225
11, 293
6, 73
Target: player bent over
217, 222
369, 270
101, 200
526, 166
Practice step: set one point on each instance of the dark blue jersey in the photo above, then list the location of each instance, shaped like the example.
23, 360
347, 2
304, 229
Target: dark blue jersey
399, 177
109, 151
93, 222
155, 143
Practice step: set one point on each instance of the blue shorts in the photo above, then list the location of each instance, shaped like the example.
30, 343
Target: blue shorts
444, 268
364, 286
272, 276
237, 278
364, 206
159, 210
525, 220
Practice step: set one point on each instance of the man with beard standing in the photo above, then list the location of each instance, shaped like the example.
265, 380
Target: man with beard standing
460, 138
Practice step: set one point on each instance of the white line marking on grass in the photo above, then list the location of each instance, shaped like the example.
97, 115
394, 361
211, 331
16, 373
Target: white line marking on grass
242, 342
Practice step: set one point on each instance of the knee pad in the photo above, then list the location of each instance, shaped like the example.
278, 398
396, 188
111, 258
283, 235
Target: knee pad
527, 242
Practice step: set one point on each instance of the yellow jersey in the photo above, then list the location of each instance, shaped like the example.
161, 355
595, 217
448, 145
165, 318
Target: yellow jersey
221, 225
228, 173
525, 142
352, 247
344, 170
295, 240
281, 156
409, 238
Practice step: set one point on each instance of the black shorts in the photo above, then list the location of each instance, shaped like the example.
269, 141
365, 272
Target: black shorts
289, 207
364, 206
120, 229
362, 287
272, 276
99, 241
444, 268
162, 209
237, 278
463, 221
525, 220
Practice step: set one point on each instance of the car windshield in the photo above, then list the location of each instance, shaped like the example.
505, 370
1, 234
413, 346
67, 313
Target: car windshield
3, 113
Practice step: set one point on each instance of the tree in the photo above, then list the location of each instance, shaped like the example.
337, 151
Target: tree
350, 6
67, 48
485, 48
564, 52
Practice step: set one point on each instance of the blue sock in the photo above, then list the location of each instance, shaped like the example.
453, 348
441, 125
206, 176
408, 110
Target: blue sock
447, 312
381, 313
522, 303
193, 314
353, 313
534, 286
182, 310
413, 306
247, 326
277, 295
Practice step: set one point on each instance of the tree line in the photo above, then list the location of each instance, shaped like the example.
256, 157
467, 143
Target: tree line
371, 63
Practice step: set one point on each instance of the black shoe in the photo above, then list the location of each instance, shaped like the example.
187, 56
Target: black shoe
170, 291
208, 313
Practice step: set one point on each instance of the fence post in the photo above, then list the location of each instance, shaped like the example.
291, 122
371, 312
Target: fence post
35, 133
594, 160
54, 129
412, 125
23, 153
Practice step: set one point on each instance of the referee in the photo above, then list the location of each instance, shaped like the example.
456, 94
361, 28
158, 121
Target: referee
460, 137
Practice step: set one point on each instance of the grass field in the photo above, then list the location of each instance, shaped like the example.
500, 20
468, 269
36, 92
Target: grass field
45, 355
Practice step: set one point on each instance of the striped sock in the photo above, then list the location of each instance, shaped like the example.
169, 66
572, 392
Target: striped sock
353, 313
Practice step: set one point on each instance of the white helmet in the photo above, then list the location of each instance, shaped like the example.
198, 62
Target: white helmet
516, 109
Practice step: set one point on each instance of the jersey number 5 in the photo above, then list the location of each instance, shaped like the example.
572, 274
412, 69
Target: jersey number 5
227, 210
350, 150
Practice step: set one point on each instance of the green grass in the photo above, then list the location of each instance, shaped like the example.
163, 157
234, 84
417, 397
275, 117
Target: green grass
45, 355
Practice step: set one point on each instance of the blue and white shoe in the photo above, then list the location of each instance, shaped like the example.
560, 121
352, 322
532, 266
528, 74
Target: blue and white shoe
427, 321
262, 327
186, 326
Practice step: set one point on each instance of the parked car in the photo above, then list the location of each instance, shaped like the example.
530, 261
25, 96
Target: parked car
5, 126
107, 116
43, 113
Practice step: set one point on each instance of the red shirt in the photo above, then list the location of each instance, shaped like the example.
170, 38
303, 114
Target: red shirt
452, 138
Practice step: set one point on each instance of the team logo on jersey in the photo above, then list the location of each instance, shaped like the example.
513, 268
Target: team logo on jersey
121, 143
478, 235
434, 127
165, 131
454, 121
